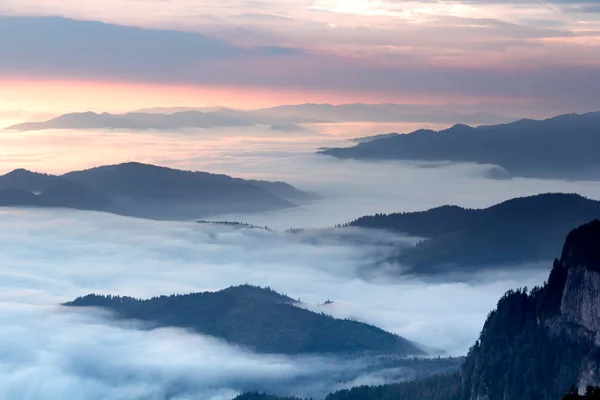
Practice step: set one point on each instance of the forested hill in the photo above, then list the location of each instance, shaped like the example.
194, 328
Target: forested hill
535, 345
435, 387
515, 231
147, 191
263, 396
562, 147
260, 319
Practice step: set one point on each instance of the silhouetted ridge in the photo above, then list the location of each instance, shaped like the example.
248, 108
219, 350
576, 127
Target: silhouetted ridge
561, 147
261, 319
146, 181
25, 180
258, 293
582, 247
147, 191
262, 396
430, 223
137, 121
519, 230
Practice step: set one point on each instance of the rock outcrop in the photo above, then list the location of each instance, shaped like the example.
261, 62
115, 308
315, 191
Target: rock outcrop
580, 303
538, 343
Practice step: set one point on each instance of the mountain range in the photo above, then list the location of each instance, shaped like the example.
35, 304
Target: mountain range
359, 112
257, 318
517, 231
136, 121
281, 118
563, 147
366, 139
538, 344
146, 191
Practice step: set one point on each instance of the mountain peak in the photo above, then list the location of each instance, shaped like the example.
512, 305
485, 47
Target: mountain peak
566, 147
582, 246
461, 126
257, 318
20, 172
259, 293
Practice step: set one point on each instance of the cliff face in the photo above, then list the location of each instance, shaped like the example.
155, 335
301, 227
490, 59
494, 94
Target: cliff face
581, 300
580, 303
536, 344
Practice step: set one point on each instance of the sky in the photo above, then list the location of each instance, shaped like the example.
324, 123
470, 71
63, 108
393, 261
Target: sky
124, 54
61, 56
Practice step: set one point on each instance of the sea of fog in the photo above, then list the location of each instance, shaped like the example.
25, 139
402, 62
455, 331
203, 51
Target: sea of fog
348, 189
51, 256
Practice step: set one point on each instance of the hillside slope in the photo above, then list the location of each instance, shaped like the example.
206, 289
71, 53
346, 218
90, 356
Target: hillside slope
516, 231
147, 191
260, 319
560, 147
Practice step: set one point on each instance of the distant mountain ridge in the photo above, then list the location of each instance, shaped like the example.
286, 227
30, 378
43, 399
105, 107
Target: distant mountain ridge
147, 191
388, 112
519, 230
562, 147
260, 319
367, 139
135, 121
281, 118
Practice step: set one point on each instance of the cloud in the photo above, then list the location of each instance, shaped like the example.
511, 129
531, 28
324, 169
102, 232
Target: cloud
518, 57
54, 44
51, 354
51, 256
350, 189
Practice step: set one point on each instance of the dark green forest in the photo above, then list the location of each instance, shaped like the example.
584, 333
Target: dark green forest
562, 147
591, 393
260, 319
516, 231
146, 191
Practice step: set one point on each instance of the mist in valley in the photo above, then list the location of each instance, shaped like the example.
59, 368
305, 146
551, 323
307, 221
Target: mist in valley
348, 189
50, 257
219, 200
53, 256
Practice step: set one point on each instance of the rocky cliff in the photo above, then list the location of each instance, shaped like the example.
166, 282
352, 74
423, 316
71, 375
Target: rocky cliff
537, 343
580, 304
581, 301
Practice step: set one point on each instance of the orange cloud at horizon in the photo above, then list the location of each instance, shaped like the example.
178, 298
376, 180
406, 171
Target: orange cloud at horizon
60, 96
63, 95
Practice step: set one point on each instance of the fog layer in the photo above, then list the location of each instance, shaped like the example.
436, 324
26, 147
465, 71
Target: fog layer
53, 256
349, 189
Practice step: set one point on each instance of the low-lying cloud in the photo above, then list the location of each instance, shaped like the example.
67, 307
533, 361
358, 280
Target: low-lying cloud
48, 352
349, 189
58, 354
52, 256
